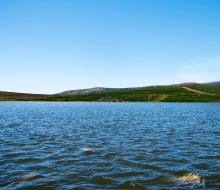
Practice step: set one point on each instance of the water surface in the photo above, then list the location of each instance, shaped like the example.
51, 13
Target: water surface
135, 145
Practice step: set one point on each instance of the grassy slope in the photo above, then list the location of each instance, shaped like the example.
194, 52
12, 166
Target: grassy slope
11, 96
213, 88
173, 93
159, 93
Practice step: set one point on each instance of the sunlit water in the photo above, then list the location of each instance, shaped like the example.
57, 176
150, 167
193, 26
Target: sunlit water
134, 145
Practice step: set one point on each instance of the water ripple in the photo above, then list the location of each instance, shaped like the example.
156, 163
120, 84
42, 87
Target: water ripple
108, 145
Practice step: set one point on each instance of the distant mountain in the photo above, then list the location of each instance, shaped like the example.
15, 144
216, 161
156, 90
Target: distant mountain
185, 92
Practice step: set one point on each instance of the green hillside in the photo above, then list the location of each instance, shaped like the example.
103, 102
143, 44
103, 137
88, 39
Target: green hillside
12, 96
172, 93
213, 87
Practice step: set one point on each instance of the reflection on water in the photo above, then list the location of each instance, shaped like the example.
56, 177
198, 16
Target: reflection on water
109, 145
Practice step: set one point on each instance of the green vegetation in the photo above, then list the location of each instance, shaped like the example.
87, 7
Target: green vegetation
172, 93
213, 87
11, 96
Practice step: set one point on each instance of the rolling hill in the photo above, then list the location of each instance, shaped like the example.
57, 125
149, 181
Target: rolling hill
186, 92
14, 96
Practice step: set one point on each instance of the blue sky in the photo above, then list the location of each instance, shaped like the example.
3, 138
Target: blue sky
48, 46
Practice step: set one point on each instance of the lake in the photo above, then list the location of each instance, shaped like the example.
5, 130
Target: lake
88, 145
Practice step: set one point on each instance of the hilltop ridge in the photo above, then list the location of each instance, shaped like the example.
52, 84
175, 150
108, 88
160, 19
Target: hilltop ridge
87, 91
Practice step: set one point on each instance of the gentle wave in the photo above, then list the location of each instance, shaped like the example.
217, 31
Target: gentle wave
108, 145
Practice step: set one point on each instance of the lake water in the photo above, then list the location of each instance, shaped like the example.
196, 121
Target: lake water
134, 145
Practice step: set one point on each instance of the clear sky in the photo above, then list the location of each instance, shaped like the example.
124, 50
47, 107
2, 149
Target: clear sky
48, 46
